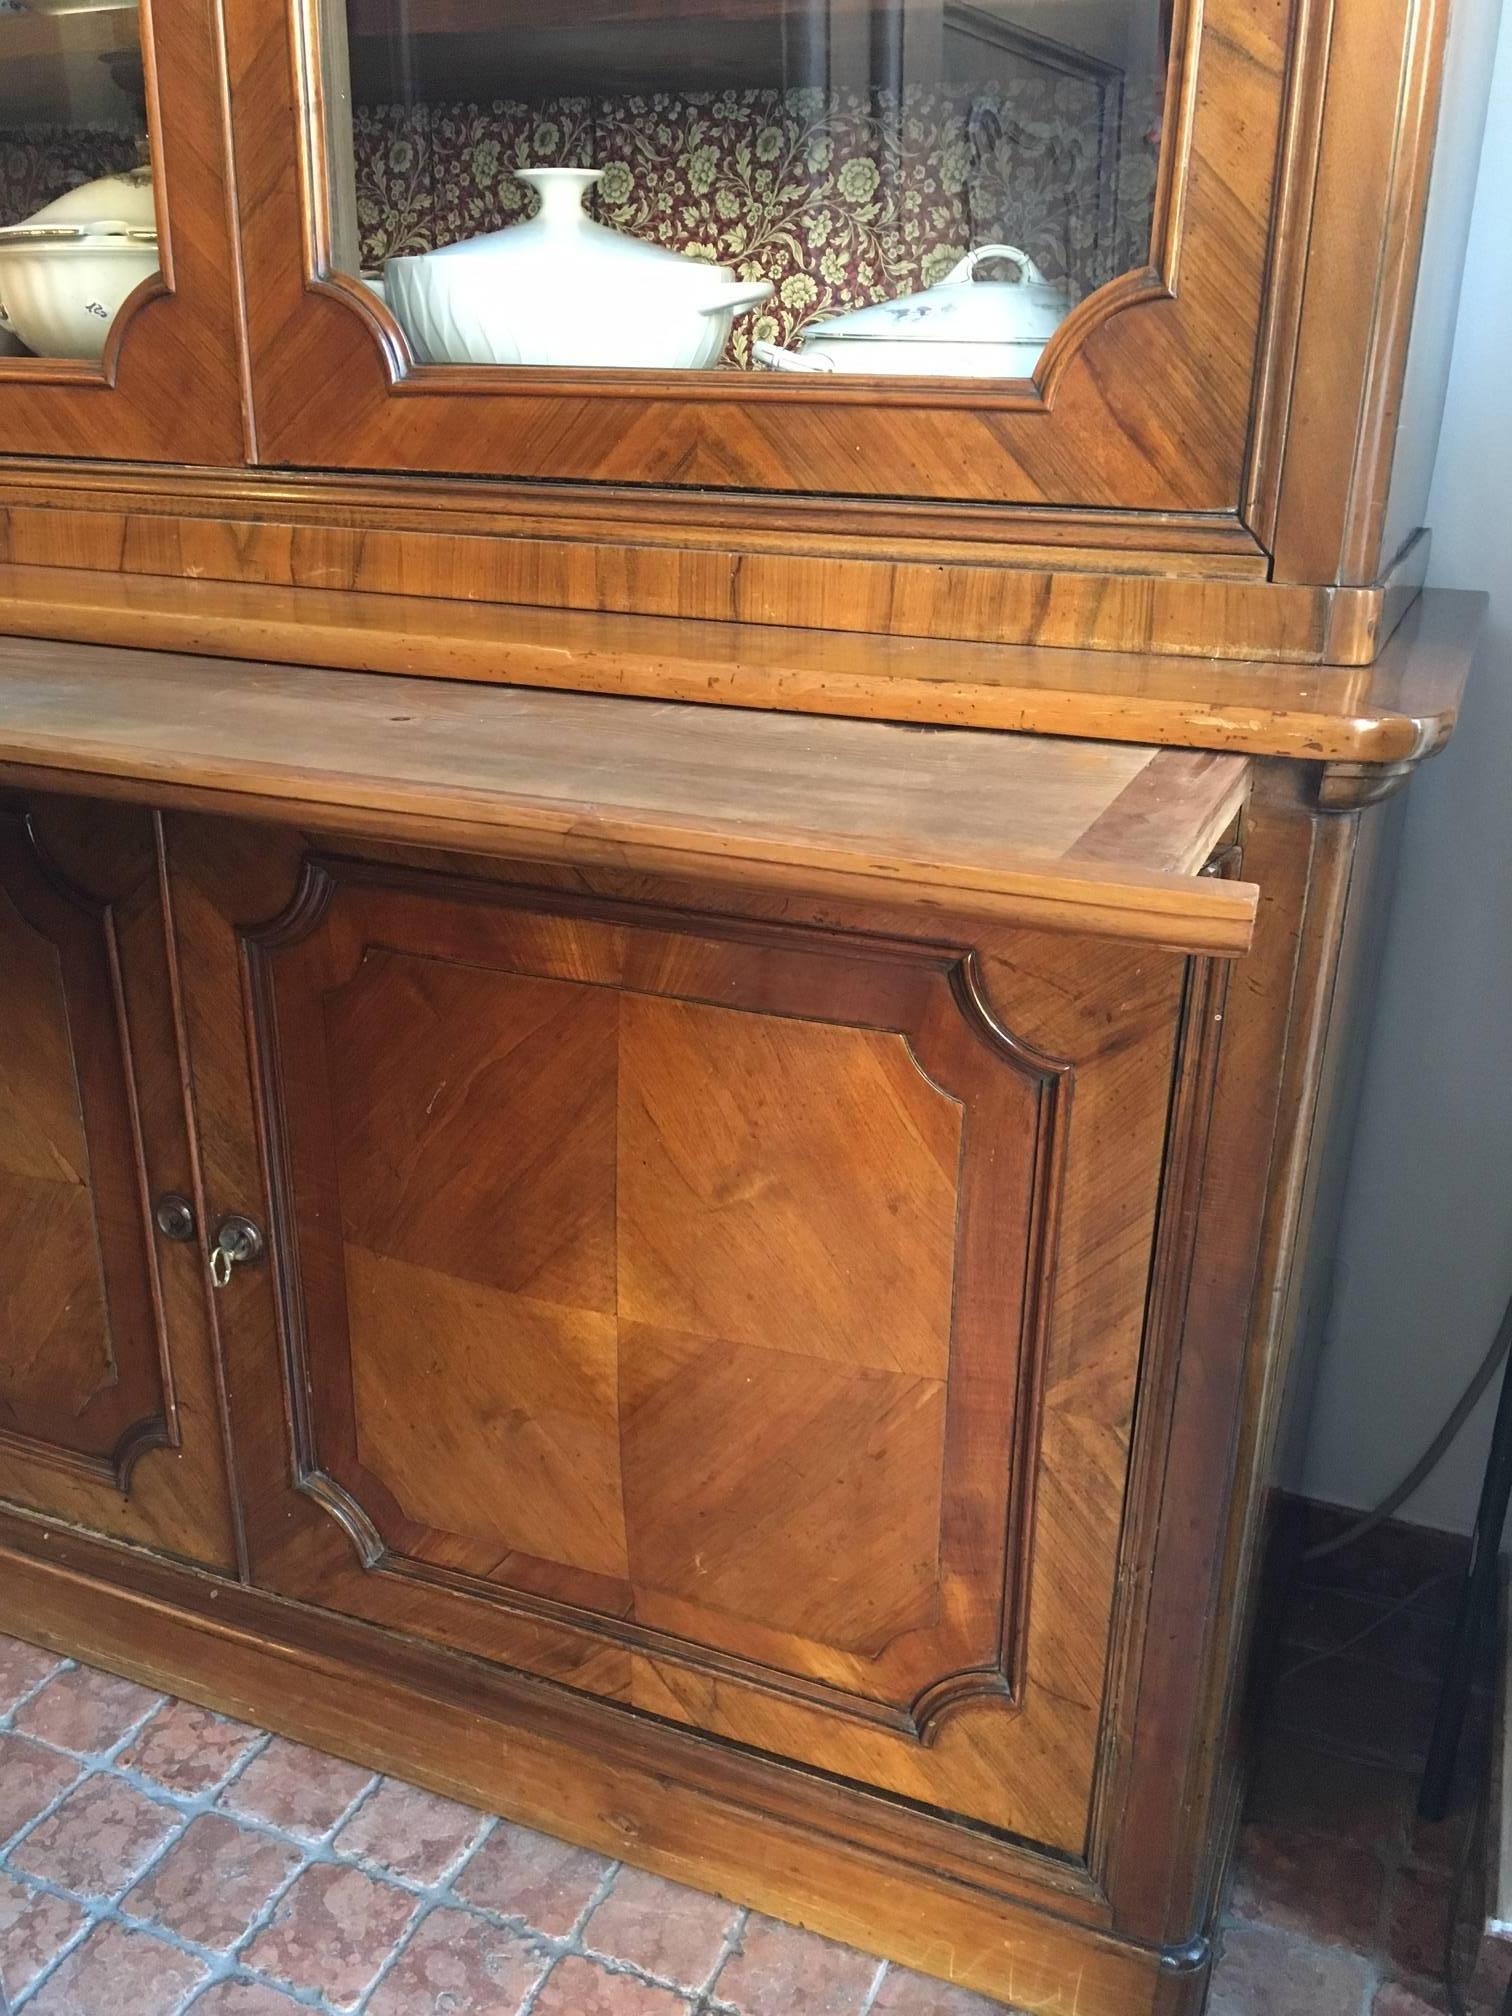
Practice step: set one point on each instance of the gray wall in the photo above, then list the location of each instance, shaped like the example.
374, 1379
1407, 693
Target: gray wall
1424, 1261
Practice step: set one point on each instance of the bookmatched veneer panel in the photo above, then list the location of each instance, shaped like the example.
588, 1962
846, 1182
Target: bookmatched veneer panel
698, 1311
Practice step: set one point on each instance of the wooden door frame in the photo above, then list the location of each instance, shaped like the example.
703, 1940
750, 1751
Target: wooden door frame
170, 386
328, 362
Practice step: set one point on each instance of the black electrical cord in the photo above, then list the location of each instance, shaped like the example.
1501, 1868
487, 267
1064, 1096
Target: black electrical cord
1433, 1455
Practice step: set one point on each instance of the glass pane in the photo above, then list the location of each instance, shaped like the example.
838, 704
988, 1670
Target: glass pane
886, 186
77, 232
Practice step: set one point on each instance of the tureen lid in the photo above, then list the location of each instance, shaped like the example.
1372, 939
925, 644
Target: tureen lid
962, 309
115, 206
566, 246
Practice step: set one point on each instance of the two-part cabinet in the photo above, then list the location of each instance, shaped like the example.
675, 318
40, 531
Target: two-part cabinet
692, 702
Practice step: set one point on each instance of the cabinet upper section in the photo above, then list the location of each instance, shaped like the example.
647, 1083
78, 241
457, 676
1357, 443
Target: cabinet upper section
1118, 277
861, 247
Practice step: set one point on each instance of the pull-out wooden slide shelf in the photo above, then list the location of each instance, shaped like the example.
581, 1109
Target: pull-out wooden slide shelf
1100, 837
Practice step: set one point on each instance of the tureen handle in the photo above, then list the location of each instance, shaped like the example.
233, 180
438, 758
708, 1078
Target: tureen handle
1029, 274
736, 296
777, 359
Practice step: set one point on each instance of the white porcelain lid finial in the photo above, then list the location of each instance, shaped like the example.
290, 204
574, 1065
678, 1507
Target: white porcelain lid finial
561, 190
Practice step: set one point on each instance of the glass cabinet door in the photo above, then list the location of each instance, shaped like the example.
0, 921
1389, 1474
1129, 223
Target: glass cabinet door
117, 314
1005, 250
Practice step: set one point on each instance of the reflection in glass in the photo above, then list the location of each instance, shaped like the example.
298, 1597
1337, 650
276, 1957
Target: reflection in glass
919, 186
77, 227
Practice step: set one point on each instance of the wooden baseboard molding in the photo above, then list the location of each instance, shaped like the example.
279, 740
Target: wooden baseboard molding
601, 1778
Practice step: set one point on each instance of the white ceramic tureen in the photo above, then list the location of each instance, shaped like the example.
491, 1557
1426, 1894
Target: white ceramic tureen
66, 270
561, 289
960, 328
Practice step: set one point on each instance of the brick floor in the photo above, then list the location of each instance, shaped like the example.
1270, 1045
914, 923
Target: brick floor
157, 1860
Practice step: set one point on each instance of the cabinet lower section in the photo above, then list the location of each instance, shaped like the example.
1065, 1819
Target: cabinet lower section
763, 1385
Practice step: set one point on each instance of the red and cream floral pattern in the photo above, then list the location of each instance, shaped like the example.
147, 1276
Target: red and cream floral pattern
838, 198
38, 163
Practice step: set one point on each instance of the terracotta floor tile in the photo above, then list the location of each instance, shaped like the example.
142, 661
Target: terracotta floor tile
101, 1836
905, 1994
579, 1988
186, 1749
1410, 1642
243, 1998
661, 1928
1437, 1844
30, 1778
1407, 1998
521, 1874
22, 1667
34, 1929
1415, 1922
776, 1967
332, 1932
1294, 1881
410, 1832
1487, 1968
1391, 1562
124, 1973
462, 1965
1346, 1798
1352, 1706
214, 1880
85, 1711
300, 1790
1264, 1973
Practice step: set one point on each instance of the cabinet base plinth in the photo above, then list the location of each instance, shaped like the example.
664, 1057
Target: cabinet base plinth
461, 1730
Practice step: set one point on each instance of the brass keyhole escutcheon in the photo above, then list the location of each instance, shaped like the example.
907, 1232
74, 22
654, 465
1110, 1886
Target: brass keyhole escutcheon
237, 1243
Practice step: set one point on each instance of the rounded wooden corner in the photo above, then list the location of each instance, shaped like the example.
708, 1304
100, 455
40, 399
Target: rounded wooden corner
77, 373
156, 287
378, 320
134, 1444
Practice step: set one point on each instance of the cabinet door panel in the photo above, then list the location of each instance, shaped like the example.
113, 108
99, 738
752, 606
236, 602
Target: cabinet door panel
89, 1096
824, 163
123, 346
735, 1321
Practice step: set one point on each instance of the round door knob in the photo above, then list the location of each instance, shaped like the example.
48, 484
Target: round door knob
175, 1217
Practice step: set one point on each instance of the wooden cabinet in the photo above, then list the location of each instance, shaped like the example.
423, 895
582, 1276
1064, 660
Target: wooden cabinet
741, 1263
108, 1412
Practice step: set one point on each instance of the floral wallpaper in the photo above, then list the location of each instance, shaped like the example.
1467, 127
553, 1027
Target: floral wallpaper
840, 198
38, 163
